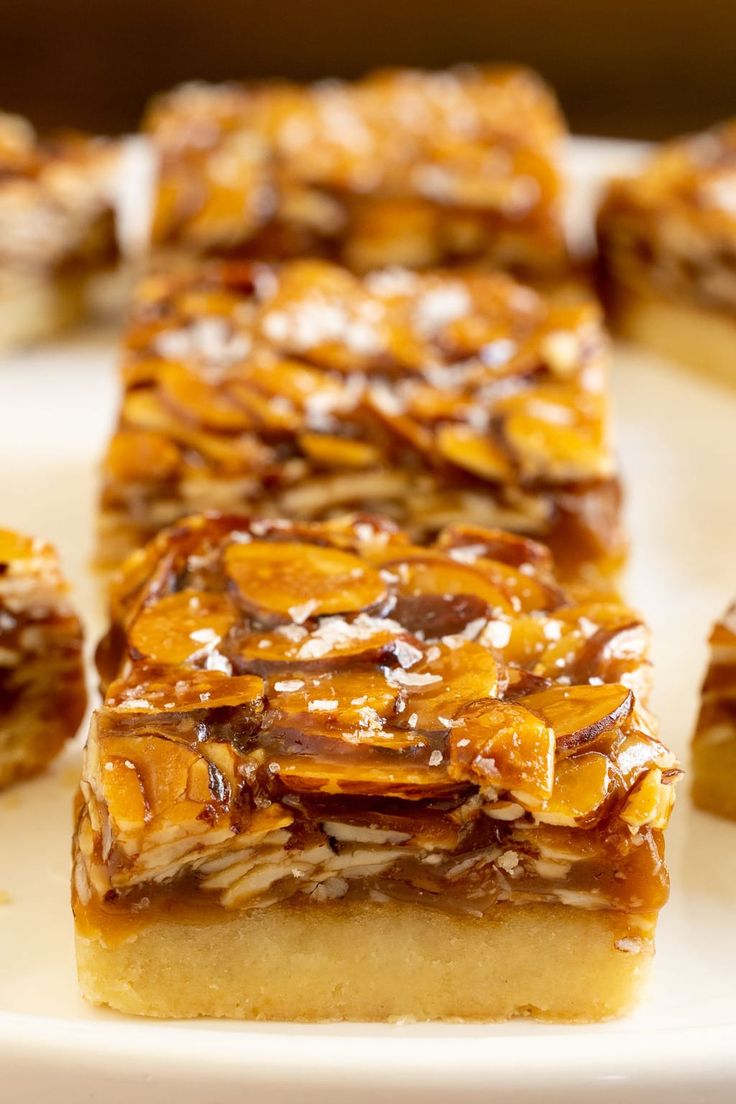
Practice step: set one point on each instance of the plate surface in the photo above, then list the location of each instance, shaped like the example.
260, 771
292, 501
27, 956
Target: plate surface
677, 438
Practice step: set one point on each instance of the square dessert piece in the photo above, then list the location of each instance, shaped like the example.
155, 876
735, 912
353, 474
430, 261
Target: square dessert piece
57, 227
303, 391
667, 242
714, 743
403, 167
421, 776
42, 689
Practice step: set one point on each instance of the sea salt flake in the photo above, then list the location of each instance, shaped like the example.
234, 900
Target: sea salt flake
322, 705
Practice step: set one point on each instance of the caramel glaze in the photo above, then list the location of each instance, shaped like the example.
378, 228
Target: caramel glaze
302, 391
401, 167
328, 711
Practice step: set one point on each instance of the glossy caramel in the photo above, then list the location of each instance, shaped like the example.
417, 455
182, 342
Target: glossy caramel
331, 710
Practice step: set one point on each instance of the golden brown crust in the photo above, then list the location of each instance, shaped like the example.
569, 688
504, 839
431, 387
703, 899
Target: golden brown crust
42, 690
328, 711
714, 741
301, 390
374, 961
402, 167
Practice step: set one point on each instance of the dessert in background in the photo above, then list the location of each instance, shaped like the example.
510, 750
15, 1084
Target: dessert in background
42, 689
667, 241
337, 775
57, 228
302, 390
714, 743
402, 167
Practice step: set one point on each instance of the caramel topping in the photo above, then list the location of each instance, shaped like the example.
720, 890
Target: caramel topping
502, 743
402, 167
181, 627
302, 580
409, 711
304, 391
42, 681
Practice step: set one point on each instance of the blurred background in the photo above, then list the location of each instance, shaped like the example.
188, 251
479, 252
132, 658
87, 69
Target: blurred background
634, 68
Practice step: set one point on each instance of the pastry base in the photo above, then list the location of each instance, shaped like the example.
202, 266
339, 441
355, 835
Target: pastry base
703, 339
714, 776
374, 962
33, 308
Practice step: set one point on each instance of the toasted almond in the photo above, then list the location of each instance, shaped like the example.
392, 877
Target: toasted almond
442, 684
338, 452
200, 402
153, 692
335, 643
180, 627
582, 785
500, 743
578, 714
650, 803
431, 573
299, 581
141, 456
384, 778
475, 452
549, 450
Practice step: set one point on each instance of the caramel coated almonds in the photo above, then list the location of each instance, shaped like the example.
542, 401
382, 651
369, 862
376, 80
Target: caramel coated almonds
182, 627
299, 581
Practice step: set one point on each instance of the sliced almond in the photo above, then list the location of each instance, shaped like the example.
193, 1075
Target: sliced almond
430, 573
387, 778
279, 417
650, 804
500, 743
474, 452
200, 402
579, 714
357, 700
299, 581
161, 767
444, 682
546, 449
335, 642
495, 544
152, 692
181, 627
582, 785
141, 456
338, 452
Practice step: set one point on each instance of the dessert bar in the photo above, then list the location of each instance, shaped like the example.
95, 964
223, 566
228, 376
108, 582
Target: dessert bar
403, 167
42, 690
302, 390
714, 744
56, 228
337, 775
668, 251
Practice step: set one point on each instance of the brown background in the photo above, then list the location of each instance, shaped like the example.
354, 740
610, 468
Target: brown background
642, 69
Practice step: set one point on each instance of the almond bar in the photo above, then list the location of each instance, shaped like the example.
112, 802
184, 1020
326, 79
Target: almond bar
56, 228
403, 167
667, 240
42, 688
714, 743
424, 777
302, 390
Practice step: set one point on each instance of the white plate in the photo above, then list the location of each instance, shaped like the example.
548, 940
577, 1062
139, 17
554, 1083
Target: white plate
678, 442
